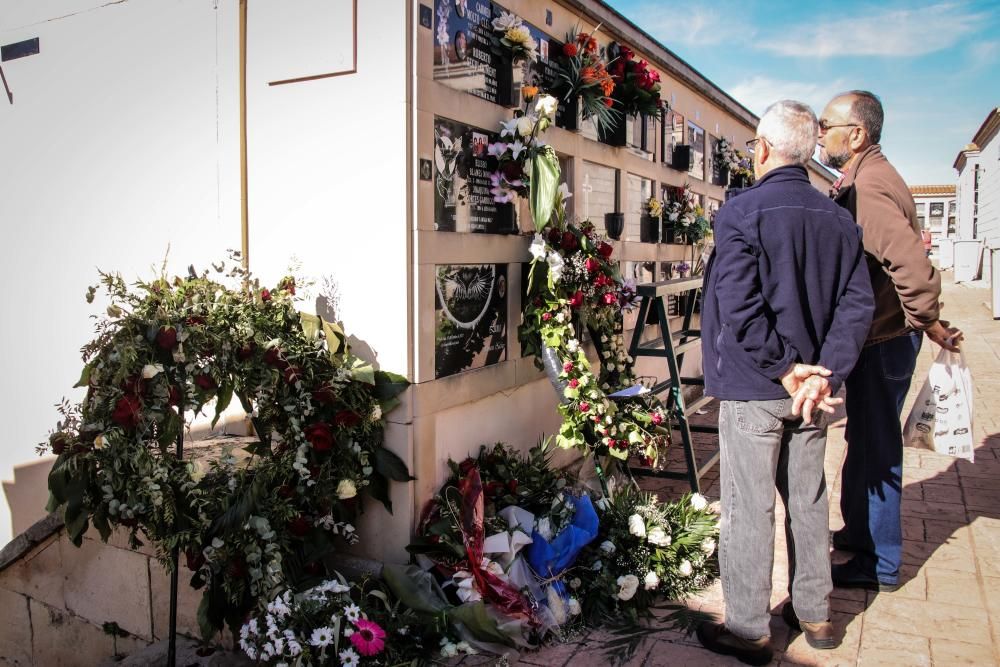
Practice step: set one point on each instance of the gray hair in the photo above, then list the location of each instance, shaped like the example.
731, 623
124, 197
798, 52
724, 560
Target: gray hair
866, 109
791, 129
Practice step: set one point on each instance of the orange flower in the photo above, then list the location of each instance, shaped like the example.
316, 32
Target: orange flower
588, 75
591, 45
607, 86
582, 38
529, 92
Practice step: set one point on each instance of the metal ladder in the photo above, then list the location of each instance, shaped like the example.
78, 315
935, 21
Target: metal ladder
672, 346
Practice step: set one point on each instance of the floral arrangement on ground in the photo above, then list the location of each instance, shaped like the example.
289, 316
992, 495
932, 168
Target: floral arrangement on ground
258, 518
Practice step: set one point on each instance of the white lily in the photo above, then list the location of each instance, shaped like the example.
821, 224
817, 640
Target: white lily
509, 127
537, 247
517, 148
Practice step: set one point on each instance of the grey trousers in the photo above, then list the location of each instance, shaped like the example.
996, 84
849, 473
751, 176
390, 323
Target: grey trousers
764, 447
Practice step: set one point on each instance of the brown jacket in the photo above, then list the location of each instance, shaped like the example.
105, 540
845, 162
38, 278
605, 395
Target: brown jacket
906, 286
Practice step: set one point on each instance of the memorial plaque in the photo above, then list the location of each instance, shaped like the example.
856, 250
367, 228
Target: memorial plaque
470, 309
462, 171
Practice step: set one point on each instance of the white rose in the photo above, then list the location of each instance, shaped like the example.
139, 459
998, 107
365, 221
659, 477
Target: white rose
525, 125
346, 489
685, 568
608, 547
698, 501
636, 526
573, 607
546, 106
659, 537
708, 546
651, 581
150, 371
376, 412
544, 528
627, 586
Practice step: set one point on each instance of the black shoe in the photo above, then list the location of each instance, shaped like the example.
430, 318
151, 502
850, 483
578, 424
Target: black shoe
850, 575
841, 542
818, 635
716, 638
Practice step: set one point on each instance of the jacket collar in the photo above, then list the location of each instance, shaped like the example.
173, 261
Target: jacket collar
871, 154
789, 172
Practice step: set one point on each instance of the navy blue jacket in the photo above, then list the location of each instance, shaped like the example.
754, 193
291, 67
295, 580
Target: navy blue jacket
787, 283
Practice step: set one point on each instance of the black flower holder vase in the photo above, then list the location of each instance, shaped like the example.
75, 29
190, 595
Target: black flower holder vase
668, 234
649, 229
614, 225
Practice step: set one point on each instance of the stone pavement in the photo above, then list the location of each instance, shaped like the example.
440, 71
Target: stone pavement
948, 610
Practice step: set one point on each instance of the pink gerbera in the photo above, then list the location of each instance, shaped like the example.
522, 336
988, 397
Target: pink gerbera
368, 637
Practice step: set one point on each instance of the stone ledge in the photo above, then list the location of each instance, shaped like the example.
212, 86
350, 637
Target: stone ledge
29, 539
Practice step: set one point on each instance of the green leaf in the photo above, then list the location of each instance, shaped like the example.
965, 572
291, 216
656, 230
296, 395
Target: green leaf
571, 393
101, 524
477, 620
378, 488
390, 465
257, 449
362, 371
415, 588
544, 184
311, 325
222, 400
58, 480
389, 385
204, 623
76, 524
85, 376
336, 340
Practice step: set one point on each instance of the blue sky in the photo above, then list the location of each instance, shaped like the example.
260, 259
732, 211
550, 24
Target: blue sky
936, 65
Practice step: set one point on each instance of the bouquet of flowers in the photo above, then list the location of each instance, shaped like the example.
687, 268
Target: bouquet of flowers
685, 217
340, 623
745, 167
647, 550
637, 87
652, 207
518, 143
581, 70
251, 520
727, 156
511, 33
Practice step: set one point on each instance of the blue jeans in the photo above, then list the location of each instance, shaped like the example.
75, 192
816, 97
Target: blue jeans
872, 478
763, 446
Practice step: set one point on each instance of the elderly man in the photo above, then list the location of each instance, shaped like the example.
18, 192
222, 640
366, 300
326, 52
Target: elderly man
786, 287
907, 289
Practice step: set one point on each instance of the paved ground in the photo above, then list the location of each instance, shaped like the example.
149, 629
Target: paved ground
948, 610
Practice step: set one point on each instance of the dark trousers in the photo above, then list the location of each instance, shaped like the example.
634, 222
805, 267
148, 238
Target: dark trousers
872, 479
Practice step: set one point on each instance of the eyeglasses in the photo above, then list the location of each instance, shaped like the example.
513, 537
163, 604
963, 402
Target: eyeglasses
826, 127
752, 144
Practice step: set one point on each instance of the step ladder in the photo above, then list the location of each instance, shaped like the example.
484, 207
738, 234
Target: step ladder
672, 345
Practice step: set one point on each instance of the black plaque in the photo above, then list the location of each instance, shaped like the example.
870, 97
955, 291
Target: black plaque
463, 47
462, 172
470, 308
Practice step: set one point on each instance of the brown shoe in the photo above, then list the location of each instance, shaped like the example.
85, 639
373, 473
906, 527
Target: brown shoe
818, 635
716, 638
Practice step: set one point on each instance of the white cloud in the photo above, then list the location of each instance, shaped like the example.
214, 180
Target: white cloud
885, 32
984, 54
758, 92
693, 23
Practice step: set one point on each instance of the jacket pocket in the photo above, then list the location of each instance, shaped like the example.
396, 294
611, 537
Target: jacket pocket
759, 416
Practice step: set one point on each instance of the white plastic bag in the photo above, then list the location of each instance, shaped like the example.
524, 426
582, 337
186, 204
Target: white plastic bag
941, 418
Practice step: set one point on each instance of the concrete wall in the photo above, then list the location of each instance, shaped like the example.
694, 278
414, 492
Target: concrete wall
122, 143
989, 192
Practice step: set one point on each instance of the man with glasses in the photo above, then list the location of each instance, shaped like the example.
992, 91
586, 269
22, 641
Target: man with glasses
907, 291
787, 305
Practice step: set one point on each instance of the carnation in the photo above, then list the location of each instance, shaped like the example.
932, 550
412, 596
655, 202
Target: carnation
627, 586
637, 526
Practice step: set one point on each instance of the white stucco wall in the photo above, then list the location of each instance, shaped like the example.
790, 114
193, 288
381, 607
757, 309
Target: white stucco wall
123, 141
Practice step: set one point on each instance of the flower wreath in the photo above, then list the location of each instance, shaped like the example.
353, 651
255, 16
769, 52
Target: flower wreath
258, 518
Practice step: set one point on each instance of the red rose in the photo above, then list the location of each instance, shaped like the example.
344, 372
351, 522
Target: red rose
546, 317
288, 284
246, 351
205, 382
320, 436
512, 486
292, 374
537, 302
265, 295
59, 442
273, 357
569, 241
602, 280
174, 396
576, 300
299, 526
584, 406
568, 366
608, 102
570, 50
574, 383
512, 171
166, 338
324, 395
195, 559
593, 266
127, 411
466, 466
610, 299
555, 238
605, 250
493, 489
236, 568
346, 418
656, 418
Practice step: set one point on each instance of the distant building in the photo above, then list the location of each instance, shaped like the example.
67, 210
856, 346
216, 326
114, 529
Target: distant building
978, 192
937, 211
